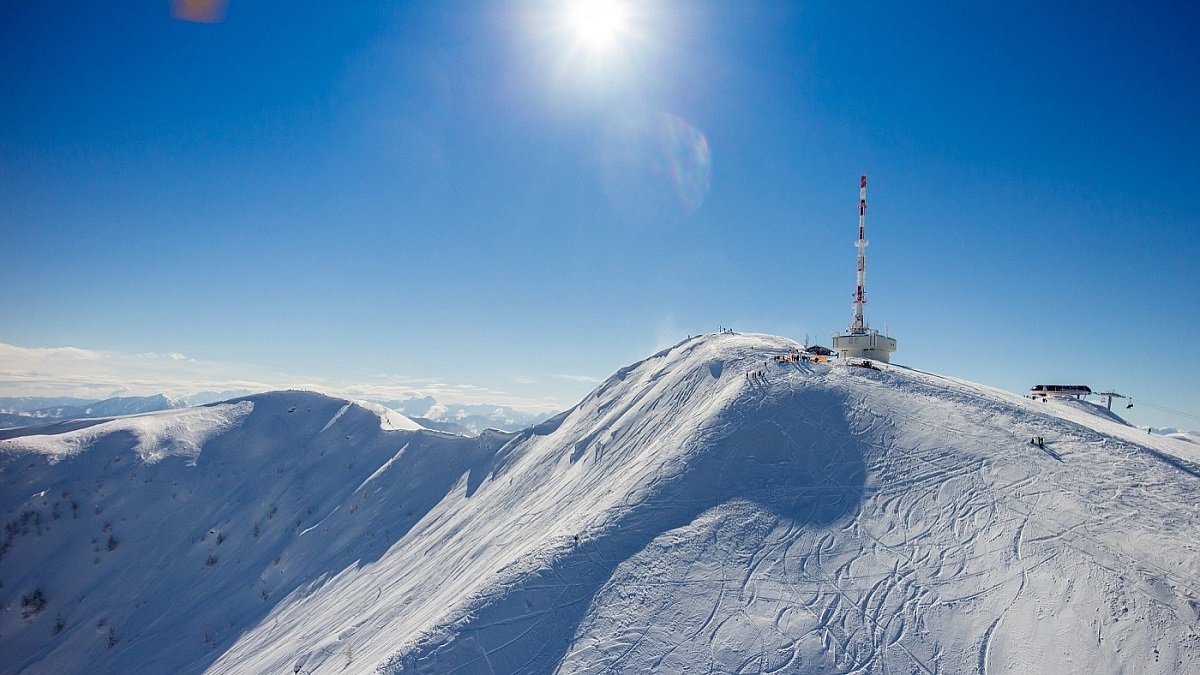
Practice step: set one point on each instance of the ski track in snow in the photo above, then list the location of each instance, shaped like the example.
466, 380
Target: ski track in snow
683, 516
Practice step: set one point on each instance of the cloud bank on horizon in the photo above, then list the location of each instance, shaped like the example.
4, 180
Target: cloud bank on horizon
86, 373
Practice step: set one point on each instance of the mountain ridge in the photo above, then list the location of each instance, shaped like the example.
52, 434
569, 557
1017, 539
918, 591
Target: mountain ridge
459, 418
709, 506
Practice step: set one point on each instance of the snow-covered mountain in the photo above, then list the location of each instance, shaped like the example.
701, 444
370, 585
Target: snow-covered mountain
709, 508
29, 404
30, 411
458, 418
464, 418
1187, 436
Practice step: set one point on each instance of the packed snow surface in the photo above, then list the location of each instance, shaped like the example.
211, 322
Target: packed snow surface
711, 508
158, 435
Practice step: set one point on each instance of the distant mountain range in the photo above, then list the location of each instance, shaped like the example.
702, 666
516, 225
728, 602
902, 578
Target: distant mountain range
455, 418
26, 411
464, 418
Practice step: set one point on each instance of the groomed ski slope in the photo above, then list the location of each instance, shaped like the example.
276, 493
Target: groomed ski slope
822, 518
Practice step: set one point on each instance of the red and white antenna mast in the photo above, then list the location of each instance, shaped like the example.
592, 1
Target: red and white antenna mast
859, 325
859, 341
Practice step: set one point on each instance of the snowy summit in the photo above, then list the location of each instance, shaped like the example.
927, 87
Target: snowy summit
711, 508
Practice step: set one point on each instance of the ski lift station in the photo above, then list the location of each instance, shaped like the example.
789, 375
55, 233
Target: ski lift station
1062, 390
1078, 391
860, 341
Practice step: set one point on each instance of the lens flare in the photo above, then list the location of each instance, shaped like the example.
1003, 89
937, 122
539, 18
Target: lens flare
655, 167
198, 11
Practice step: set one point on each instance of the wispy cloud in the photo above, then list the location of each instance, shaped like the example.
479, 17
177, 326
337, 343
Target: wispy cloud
14, 352
70, 371
579, 378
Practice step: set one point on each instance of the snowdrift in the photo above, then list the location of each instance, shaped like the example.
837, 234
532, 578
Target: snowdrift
708, 508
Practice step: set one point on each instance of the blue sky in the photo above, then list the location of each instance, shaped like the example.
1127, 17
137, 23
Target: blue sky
468, 199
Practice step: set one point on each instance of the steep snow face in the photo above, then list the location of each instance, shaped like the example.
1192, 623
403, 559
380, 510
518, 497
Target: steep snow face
813, 519
389, 419
685, 515
655, 446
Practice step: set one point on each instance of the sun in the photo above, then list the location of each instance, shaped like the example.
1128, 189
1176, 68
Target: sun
597, 24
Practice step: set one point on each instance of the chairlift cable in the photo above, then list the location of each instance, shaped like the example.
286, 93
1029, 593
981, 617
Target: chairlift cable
1166, 409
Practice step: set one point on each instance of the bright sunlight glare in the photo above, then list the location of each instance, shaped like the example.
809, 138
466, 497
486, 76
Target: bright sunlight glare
597, 24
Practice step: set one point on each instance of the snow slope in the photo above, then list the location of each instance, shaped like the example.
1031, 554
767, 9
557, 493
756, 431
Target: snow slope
821, 518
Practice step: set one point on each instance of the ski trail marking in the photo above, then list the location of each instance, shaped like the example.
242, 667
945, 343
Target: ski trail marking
987, 643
